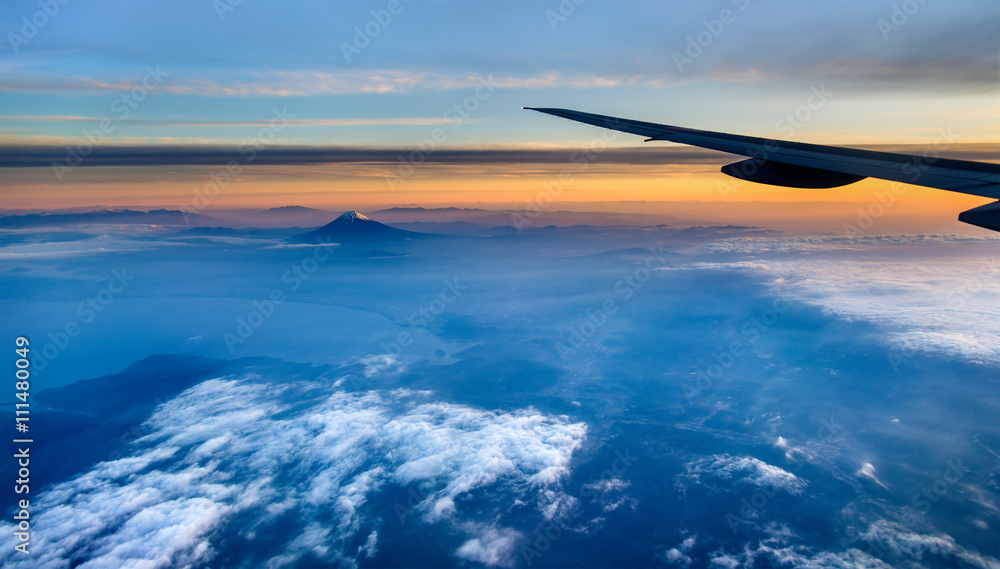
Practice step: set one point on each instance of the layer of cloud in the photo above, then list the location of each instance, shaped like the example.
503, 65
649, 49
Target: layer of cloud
24, 153
230, 458
313, 83
879, 545
897, 542
108, 155
758, 245
951, 307
100, 245
927, 42
410, 121
890, 542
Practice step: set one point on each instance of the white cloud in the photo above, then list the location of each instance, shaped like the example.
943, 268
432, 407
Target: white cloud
492, 546
677, 556
99, 245
744, 469
243, 241
611, 493
300, 245
229, 451
677, 559
310, 83
803, 558
376, 364
608, 485
410, 121
934, 293
758, 245
892, 538
370, 548
725, 561
556, 505
882, 541
867, 470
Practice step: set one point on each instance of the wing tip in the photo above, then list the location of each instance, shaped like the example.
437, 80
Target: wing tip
985, 216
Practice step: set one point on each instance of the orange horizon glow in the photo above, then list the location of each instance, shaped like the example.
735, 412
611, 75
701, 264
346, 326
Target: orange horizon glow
696, 192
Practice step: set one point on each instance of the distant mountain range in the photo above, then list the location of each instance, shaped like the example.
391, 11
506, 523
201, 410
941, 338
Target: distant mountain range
153, 217
276, 217
287, 209
414, 220
469, 219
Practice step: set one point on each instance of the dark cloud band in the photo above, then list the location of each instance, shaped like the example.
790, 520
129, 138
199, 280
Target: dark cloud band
45, 156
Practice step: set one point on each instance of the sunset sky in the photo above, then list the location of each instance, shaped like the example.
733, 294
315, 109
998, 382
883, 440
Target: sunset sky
373, 82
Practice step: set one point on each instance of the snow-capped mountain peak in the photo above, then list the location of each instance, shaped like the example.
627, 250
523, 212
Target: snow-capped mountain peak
351, 217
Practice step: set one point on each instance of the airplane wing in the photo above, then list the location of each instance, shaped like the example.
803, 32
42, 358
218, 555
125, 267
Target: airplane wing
801, 165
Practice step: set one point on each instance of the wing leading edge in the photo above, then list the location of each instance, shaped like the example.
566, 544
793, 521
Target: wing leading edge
802, 165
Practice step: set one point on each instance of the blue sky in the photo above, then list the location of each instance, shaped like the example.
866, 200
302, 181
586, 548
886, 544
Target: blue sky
229, 67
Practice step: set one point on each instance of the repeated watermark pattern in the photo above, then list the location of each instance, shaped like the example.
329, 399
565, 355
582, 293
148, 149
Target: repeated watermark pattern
787, 125
220, 179
373, 28
751, 508
624, 289
725, 356
562, 12
914, 169
988, 272
87, 311
121, 108
225, 7
581, 161
457, 115
32, 25
704, 39
900, 16
264, 309
425, 315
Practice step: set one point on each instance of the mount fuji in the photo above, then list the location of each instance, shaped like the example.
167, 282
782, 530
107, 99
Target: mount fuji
352, 226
